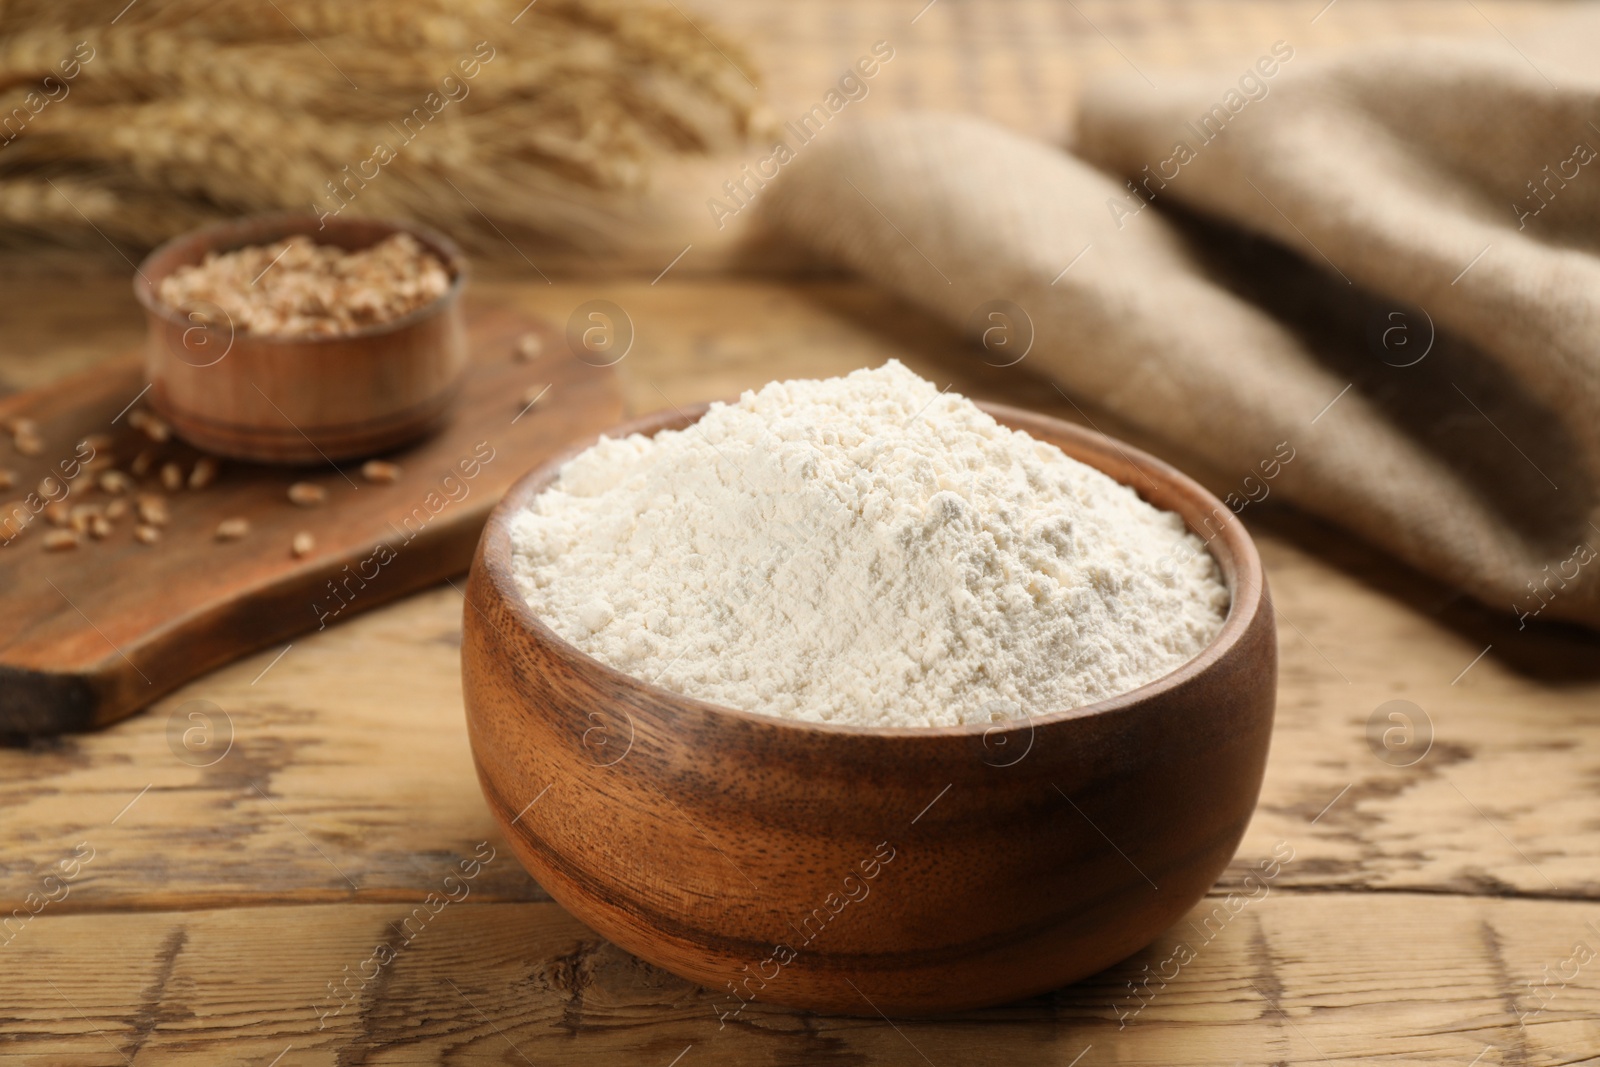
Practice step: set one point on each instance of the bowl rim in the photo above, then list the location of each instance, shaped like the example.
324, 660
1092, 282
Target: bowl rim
1239, 562
247, 230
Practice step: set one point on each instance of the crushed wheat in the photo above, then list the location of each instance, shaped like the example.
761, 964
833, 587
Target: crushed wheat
298, 288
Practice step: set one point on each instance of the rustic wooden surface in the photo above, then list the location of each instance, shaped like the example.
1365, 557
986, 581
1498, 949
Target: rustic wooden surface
92, 634
1429, 914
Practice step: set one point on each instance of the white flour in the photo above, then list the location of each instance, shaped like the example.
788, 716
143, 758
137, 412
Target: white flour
864, 550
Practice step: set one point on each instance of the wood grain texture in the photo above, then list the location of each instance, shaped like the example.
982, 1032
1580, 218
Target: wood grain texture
1289, 978
789, 860
94, 633
1405, 929
307, 400
346, 762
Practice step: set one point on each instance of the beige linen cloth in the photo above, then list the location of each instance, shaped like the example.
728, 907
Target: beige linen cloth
1384, 264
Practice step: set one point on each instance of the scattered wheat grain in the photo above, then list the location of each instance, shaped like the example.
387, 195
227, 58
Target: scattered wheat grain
380, 471
152, 426
81, 516
204, 472
153, 509
232, 529
307, 494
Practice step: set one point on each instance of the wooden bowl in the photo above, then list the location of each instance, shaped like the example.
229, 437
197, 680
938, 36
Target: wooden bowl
859, 870
301, 400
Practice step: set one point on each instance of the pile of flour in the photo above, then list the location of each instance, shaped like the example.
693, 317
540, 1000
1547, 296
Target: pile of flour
864, 550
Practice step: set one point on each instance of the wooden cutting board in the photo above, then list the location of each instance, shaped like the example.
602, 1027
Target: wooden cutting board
91, 634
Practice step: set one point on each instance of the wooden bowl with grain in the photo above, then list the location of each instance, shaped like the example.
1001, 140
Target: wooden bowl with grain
861, 870
301, 400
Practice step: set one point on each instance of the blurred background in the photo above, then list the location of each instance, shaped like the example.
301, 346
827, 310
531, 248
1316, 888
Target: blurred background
587, 145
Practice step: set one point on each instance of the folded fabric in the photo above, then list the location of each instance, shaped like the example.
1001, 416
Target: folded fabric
1369, 284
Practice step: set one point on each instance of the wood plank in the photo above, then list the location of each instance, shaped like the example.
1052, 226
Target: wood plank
91, 634
356, 734
1286, 978
347, 775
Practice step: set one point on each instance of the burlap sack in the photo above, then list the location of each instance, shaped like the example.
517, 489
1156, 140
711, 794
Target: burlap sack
1383, 267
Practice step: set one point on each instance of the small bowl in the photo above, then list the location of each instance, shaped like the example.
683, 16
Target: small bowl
302, 400
860, 870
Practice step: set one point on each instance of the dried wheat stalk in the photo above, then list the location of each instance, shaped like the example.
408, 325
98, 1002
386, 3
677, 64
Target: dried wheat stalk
195, 110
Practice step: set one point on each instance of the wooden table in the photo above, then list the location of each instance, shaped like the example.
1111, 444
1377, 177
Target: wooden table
229, 912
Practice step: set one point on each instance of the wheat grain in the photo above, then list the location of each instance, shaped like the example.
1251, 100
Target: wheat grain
232, 529
152, 509
204, 472
380, 471
81, 516
307, 494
